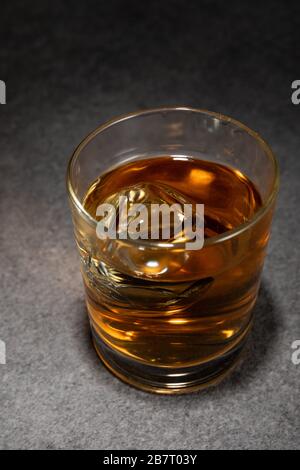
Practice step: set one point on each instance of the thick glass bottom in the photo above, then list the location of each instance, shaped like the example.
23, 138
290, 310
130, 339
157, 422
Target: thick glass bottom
166, 380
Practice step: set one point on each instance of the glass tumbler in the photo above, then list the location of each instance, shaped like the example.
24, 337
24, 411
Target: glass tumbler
163, 318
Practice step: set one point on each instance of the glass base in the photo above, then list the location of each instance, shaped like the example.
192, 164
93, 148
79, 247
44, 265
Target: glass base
166, 380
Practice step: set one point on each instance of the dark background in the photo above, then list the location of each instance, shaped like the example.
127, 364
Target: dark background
68, 67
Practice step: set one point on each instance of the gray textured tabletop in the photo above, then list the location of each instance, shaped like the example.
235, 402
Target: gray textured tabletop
68, 67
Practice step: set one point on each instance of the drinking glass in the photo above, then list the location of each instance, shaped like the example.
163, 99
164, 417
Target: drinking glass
184, 326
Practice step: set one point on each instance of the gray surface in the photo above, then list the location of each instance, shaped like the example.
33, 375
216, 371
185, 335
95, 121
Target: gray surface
69, 68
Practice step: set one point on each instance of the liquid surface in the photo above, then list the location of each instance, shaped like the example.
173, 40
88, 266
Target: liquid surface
229, 197
179, 308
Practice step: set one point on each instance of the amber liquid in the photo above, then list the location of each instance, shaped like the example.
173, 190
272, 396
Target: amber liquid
166, 308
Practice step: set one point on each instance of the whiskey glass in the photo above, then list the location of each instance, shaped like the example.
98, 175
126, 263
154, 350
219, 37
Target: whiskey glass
181, 327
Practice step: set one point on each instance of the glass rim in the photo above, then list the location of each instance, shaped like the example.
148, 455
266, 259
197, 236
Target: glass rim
221, 117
